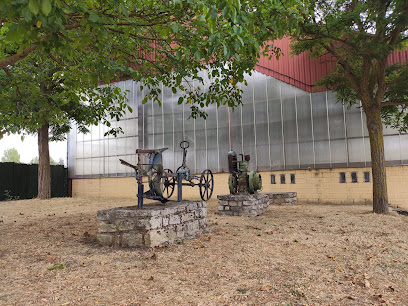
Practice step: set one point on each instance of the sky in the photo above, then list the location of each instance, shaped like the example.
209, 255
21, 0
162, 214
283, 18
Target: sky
28, 149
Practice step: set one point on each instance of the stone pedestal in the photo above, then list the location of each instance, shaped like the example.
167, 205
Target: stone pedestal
282, 198
154, 225
243, 204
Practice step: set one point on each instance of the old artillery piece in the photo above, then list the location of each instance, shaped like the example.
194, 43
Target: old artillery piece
162, 182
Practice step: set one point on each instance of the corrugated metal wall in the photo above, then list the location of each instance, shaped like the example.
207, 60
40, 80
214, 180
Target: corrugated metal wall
303, 71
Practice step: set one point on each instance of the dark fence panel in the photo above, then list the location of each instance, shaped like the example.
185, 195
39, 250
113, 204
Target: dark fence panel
21, 180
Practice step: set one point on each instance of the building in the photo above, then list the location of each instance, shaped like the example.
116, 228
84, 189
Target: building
299, 140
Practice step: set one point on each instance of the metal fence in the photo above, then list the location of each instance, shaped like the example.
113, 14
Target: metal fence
279, 125
20, 181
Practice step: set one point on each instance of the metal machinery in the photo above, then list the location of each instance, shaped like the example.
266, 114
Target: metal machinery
162, 181
161, 186
205, 181
239, 181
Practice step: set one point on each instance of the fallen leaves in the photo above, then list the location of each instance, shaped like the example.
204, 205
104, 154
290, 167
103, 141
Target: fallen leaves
266, 288
318, 271
242, 290
57, 267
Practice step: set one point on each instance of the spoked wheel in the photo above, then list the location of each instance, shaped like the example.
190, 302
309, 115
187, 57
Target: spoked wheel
206, 185
185, 171
168, 183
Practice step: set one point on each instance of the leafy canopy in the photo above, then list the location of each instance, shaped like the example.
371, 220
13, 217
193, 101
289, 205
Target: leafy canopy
150, 41
359, 36
10, 156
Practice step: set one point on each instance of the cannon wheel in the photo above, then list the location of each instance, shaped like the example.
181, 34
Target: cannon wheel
168, 183
206, 185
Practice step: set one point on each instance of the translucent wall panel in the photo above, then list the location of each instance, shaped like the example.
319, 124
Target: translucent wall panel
191, 159
289, 120
305, 131
261, 112
259, 87
338, 149
224, 148
224, 141
291, 156
355, 150
392, 147
277, 157
248, 135
248, 114
279, 125
319, 111
248, 91
158, 141
201, 157
79, 168
212, 159
304, 118
354, 126
404, 148
96, 149
96, 165
262, 133
322, 153
306, 154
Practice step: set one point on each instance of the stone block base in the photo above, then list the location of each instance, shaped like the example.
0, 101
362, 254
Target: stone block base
242, 204
154, 225
282, 198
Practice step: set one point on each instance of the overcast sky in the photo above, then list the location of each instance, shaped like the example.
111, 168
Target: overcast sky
28, 149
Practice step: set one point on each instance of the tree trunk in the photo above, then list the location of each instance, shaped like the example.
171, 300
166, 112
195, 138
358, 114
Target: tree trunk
375, 132
44, 173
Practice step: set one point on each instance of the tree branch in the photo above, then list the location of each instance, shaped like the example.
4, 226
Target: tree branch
395, 103
23, 54
4, 63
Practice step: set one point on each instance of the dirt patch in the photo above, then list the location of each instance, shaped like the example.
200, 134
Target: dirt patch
304, 254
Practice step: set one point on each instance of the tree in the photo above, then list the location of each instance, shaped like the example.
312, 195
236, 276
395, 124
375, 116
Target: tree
359, 36
35, 160
54, 54
10, 156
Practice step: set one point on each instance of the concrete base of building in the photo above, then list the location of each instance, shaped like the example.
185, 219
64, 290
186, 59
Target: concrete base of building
311, 186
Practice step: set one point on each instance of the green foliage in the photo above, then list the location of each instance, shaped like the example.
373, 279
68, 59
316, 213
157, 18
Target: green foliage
359, 36
152, 42
10, 156
35, 160
9, 197
58, 90
57, 267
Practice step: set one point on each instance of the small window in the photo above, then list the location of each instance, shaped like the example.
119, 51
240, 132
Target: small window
366, 176
354, 177
282, 179
273, 181
292, 178
342, 177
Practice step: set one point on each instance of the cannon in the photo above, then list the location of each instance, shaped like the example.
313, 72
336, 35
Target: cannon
239, 182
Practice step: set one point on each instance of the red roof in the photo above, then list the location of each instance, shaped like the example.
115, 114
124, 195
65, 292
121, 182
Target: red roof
303, 71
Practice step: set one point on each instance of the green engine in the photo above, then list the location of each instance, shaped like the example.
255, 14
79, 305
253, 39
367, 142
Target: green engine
239, 181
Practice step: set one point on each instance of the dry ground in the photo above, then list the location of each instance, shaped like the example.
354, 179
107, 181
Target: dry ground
292, 255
